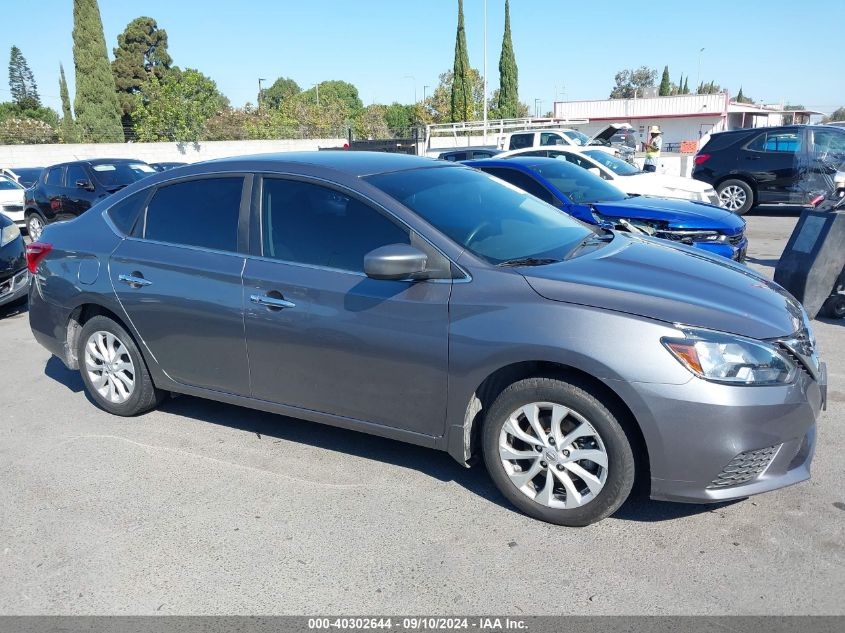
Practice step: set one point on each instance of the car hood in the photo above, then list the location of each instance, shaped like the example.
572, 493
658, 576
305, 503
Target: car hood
676, 284
603, 135
654, 182
678, 213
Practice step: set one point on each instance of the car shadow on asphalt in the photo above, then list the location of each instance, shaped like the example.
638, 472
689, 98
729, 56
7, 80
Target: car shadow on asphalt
10, 310
777, 210
70, 378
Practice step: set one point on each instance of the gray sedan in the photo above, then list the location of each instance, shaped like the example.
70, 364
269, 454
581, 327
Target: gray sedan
431, 303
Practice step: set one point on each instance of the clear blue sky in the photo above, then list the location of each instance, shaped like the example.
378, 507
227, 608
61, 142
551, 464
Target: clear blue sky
566, 49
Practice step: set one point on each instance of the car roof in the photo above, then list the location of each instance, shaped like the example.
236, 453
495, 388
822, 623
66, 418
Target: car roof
523, 162
351, 163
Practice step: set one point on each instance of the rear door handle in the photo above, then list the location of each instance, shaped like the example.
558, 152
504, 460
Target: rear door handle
134, 280
271, 301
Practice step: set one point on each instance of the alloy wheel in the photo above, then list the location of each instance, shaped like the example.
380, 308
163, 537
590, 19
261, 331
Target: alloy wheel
34, 226
732, 197
553, 455
110, 367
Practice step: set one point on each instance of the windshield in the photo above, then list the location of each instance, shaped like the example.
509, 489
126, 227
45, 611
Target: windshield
490, 218
576, 183
616, 165
8, 185
121, 174
579, 138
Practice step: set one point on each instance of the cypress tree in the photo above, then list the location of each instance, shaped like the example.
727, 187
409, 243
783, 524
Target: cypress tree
686, 85
740, 98
665, 83
96, 105
22, 81
461, 109
508, 73
68, 126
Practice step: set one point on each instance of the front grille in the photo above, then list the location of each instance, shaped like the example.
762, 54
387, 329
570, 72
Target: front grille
745, 467
14, 283
734, 240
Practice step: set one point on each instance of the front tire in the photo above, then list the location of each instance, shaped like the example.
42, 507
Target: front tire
113, 370
557, 453
834, 307
736, 196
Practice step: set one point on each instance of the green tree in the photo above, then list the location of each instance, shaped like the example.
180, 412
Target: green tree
177, 107
22, 81
836, 115
665, 83
96, 105
630, 82
508, 96
461, 96
400, 118
11, 110
68, 130
338, 93
371, 123
686, 86
24, 131
439, 104
283, 88
141, 54
741, 98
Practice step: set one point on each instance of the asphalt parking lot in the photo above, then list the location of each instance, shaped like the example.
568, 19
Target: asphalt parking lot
205, 508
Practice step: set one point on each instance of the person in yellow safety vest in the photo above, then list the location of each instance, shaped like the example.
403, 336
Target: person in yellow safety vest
652, 150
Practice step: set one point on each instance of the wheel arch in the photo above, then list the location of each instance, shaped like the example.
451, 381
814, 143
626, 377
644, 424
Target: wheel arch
79, 316
467, 447
748, 180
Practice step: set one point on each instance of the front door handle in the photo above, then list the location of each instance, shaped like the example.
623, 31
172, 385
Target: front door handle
272, 302
135, 280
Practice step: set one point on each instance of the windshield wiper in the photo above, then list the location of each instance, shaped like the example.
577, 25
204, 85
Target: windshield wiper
527, 261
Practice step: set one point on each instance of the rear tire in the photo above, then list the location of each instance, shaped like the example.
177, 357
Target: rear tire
582, 459
834, 307
113, 370
736, 196
35, 225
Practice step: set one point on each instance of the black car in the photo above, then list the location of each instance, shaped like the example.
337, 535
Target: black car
67, 190
469, 153
166, 166
777, 165
14, 277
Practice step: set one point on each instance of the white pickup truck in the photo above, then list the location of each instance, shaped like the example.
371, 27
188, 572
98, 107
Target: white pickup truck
560, 136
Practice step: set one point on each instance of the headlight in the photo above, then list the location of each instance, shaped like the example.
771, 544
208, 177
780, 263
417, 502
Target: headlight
731, 359
9, 234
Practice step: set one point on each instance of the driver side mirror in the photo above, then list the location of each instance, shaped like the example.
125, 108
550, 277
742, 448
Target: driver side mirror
394, 262
85, 184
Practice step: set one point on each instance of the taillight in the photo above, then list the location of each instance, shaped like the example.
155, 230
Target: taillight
35, 252
700, 158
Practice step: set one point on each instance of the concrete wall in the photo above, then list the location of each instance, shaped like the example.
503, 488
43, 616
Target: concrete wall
45, 155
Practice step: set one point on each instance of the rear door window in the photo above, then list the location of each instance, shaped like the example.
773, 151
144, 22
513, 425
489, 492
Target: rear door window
524, 182
521, 141
777, 142
55, 176
202, 212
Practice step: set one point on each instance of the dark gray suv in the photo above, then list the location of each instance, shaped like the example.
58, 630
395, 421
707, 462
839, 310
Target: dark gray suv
431, 303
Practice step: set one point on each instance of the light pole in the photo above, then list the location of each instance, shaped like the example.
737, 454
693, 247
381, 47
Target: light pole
700, 51
414, 79
317, 88
485, 72
260, 79
424, 90
537, 103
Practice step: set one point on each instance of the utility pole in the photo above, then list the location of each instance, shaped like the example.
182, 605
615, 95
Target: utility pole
260, 79
317, 87
485, 72
700, 51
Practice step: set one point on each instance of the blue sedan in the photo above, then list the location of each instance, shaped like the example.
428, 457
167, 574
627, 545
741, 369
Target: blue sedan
587, 197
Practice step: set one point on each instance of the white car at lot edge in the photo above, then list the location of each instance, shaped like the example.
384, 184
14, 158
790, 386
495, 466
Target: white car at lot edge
11, 200
625, 176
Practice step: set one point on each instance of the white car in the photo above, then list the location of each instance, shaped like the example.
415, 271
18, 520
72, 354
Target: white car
625, 176
11, 200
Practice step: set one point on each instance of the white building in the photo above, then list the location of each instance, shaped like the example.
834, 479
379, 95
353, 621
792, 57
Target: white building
681, 117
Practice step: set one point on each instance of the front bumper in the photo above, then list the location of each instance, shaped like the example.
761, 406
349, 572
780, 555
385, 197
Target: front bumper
14, 287
709, 442
736, 252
